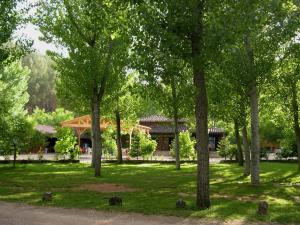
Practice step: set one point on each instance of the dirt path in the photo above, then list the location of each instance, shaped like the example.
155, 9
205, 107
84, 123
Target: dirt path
21, 214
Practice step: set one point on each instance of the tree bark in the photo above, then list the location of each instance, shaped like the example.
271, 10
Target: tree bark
240, 156
201, 107
253, 94
176, 132
96, 136
255, 146
246, 150
175, 116
119, 142
295, 109
15, 155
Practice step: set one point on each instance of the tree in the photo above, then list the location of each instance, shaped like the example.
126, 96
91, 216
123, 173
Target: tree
187, 146
41, 86
9, 20
286, 93
261, 27
16, 130
228, 99
186, 21
135, 150
122, 104
39, 116
66, 143
142, 145
166, 78
94, 34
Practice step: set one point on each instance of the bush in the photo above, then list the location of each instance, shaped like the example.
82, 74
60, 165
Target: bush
65, 145
226, 149
142, 145
286, 153
135, 150
109, 143
186, 146
289, 145
147, 146
37, 141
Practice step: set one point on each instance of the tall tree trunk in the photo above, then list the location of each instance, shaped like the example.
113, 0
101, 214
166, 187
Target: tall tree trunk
119, 142
96, 136
246, 150
295, 109
253, 94
240, 156
255, 146
176, 132
15, 155
201, 107
175, 116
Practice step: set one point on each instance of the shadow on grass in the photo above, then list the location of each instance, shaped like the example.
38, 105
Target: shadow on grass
160, 186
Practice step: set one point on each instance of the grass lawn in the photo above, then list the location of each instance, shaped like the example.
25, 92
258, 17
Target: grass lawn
157, 187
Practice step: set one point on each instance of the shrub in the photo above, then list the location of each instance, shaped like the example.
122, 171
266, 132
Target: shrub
65, 145
286, 153
147, 146
109, 143
226, 149
289, 145
186, 146
135, 150
142, 145
37, 141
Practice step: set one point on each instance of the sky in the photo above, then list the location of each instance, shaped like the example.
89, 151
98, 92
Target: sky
33, 33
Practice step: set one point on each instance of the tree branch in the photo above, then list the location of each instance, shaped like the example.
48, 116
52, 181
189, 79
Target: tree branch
106, 70
73, 22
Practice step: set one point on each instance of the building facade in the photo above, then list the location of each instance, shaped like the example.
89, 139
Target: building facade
162, 130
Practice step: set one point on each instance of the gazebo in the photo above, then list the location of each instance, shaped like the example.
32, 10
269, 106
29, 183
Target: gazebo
83, 123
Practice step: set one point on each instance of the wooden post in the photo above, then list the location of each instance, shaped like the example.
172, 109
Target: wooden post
78, 136
130, 137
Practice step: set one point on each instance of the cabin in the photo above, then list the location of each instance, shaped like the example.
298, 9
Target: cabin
49, 132
159, 127
162, 130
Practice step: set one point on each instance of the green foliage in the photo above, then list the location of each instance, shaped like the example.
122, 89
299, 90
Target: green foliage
17, 135
288, 144
286, 153
65, 145
13, 89
37, 141
186, 146
15, 129
163, 75
39, 116
148, 146
10, 18
226, 149
95, 35
135, 150
142, 145
41, 86
270, 131
109, 143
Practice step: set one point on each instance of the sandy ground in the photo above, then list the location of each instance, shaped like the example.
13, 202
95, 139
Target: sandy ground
105, 187
86, 158
21, 214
